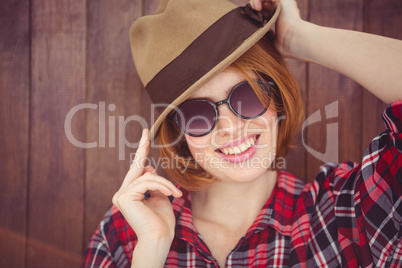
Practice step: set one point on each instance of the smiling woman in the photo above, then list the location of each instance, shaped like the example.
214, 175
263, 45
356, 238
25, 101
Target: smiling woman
264, 62
57, 55
232, 109
283, 98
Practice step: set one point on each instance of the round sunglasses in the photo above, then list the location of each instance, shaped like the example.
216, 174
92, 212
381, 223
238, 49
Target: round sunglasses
198, 117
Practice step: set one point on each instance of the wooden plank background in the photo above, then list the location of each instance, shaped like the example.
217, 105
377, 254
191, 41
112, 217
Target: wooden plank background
14, 131
55, 55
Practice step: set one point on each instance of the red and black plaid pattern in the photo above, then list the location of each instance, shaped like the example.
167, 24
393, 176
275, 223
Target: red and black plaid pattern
349, 216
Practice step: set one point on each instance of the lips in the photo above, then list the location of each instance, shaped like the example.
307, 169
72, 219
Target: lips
240, 150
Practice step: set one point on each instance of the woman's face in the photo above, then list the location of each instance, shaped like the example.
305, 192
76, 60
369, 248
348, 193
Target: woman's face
237, 150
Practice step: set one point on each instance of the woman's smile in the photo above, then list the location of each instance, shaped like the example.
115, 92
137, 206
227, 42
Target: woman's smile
239, 150
234, 140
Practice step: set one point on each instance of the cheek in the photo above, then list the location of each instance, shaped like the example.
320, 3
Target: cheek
272, 129
268, 122
197, 144
268, 126
198, 147
270, 116
273, 121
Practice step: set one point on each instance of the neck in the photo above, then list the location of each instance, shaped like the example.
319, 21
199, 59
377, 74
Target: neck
237, 204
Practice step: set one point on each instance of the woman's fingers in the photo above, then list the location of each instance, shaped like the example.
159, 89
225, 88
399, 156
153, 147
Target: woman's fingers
256, 4
141, 184
175, 193
153, 216
150, 169
261, 5
148, 182
266, 7
142, 151
135, 193
137, 167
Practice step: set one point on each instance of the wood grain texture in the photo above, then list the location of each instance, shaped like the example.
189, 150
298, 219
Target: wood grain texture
296, 161
383, 18
326, 87
55, 219
150, 6
14, 114
112, 81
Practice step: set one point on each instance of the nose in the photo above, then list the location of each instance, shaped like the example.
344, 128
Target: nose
228, 122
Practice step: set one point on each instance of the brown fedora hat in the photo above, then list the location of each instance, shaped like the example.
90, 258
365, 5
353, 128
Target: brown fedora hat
187, 42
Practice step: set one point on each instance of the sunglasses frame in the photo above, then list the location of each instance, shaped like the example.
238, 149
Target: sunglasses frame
267, 84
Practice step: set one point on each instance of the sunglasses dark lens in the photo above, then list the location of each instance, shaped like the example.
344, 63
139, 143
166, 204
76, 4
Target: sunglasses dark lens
196, 117
245, 102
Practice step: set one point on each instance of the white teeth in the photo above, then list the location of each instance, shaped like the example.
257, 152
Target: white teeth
240, 148
244, 147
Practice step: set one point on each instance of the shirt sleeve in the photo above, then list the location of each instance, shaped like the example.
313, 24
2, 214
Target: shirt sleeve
378, 201
112, 243
366, 198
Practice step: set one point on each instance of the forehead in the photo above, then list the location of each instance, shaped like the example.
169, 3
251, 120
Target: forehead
220, 85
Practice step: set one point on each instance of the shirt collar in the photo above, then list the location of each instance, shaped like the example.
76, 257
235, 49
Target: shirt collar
276, 213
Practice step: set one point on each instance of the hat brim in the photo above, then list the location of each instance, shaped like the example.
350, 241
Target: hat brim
237, 53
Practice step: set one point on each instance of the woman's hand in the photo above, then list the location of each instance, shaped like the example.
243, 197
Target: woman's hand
288, 23
152, 219
373, 61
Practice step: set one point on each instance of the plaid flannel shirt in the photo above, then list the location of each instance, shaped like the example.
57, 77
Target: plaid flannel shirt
349, 216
